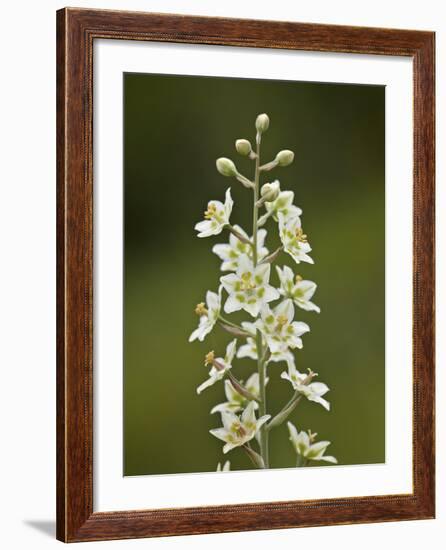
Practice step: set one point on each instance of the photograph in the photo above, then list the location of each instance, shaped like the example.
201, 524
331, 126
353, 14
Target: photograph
254, 274
219, 285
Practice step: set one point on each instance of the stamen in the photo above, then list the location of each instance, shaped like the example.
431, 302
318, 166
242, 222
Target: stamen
209, 358
247, 283
312, 436
282, 320
311, 374
210, 212
200, 309
300, 235
299, 279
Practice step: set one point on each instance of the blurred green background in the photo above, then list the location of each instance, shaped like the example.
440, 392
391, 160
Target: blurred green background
175, 128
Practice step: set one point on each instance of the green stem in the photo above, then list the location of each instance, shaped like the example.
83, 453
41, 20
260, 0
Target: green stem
260, 363
285, 412
256, 459
239, 236
273, 256
301, 461
245, 181
269, 166
237, 328
234, 331
227, 322
240, 388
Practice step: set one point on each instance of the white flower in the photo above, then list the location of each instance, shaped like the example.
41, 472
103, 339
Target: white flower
226, 467
250, 348
294, 240
235, 401
296, 288
208, 316
282, 205
248, 288
279, 329
220, 365
312, 391
230, 253
236, 430
305, 448
216, 217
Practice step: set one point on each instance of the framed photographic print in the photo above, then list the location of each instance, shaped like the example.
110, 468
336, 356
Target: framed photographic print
245, 275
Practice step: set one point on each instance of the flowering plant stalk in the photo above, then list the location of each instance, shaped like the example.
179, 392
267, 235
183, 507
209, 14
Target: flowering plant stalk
271, 335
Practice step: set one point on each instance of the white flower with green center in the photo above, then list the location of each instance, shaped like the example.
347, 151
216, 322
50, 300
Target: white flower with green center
250, 348
231, 252
282, 205
208, 315
312, 391
237, 431
305, 447
294, 240
216, 217
296, 288
279, 329
249, 287
226, 467
235, 401
220, 365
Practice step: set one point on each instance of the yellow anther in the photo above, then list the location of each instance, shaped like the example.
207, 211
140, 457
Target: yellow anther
200, 309
209, 358
282, 320
298, 279
247, 283
300, 235
312, 436
210, 212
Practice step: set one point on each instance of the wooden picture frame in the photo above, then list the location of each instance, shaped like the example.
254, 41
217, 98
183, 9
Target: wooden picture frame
77, 29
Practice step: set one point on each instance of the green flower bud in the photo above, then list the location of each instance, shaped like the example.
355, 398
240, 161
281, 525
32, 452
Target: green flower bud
262, 123
243, 147
285, 157
226, 167
270, 191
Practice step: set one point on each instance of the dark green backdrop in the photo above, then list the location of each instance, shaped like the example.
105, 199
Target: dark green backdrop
175, 128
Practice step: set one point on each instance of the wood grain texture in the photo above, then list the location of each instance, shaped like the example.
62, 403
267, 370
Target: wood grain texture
76, 31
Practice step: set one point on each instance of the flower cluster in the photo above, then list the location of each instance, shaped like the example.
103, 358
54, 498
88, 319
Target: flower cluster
272, 333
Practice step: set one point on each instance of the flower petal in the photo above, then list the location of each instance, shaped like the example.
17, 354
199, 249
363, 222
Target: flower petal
248, 415
229, 282
231, 348
206, 384
232, 304
220, 433
262, 272
286, 308
223, 251
228, 203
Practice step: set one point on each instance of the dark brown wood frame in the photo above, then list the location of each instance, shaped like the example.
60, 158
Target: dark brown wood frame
76, 31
